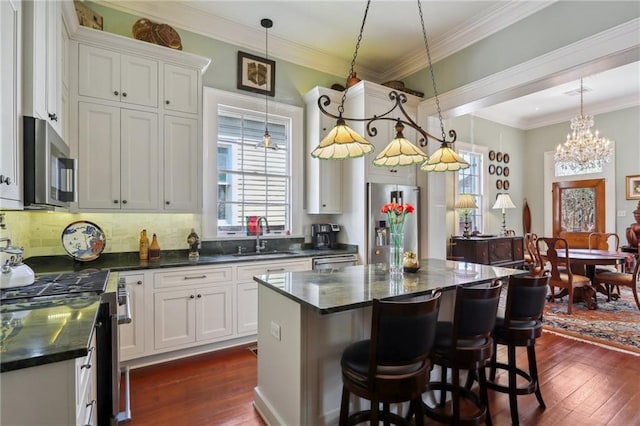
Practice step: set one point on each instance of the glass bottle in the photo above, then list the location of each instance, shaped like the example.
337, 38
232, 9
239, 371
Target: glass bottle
144, 245
154, 249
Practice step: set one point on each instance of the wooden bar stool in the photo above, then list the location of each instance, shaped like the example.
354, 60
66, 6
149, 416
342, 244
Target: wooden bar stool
519, 325
393, 365
465, 344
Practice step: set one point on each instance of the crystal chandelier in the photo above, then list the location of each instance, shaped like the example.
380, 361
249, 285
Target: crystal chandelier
583, 149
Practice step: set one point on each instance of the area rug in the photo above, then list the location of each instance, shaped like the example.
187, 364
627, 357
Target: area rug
615, 324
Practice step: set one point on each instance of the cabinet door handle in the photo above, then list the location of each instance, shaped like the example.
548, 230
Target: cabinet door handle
139, 282
115, 201
53, 116
275, 270
199, 296
199, 277
124, 94
115, 92
88, 364
191, 296
124, 201
5, 179
167, 102
167, 202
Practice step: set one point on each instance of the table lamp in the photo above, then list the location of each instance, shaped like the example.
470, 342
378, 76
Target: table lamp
503, 201
466, 203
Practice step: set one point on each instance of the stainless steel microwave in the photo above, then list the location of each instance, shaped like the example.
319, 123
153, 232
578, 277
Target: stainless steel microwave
49, 172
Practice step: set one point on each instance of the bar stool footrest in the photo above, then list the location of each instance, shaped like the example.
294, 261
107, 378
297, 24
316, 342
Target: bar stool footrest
434, 414
522, 390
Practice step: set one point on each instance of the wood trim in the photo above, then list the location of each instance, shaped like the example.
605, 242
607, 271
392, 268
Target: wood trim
578, 239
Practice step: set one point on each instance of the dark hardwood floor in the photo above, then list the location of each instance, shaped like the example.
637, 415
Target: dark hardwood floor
581, 384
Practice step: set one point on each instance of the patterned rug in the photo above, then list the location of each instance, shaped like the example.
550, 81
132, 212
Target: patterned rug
614, 324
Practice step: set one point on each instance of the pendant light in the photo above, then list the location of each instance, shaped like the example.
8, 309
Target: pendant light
265, 143
342, 142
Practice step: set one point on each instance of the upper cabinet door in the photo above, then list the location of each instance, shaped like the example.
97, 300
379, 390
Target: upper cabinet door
180, 89
139, 81
108, 75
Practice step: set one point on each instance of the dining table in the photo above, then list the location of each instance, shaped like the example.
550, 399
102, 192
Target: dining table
589, 259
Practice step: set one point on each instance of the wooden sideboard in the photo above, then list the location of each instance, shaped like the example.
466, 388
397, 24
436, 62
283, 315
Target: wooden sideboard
502, 251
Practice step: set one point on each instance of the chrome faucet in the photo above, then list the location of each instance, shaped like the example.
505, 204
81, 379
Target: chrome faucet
263, 245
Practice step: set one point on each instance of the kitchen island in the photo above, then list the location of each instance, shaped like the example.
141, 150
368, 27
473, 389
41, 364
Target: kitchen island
306, 319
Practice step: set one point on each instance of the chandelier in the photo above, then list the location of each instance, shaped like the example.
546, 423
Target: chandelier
583, 149
343, 142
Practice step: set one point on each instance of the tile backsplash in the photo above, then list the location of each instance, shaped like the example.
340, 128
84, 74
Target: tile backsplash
40, 232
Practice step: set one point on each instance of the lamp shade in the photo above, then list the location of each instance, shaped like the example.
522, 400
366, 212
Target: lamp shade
342, 142
466, 202
444, 159
400, 152
504, 202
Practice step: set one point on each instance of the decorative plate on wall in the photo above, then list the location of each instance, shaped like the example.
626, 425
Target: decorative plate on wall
499, 157
83, 240
492, 169
499, 184
505, 158
492, 155
505, 185
505, 171
499, 170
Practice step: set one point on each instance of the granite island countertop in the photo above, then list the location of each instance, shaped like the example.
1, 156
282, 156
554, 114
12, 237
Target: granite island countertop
329, 291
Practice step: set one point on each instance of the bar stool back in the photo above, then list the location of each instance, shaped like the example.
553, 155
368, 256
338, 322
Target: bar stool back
393, 365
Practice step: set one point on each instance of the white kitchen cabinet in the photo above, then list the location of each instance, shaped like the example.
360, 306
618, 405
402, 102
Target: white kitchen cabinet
10, 107
119, 167
324, 177
180, 89
181, 184
192, 306
132, 335
247, 289
44, 56
367, 99
112, 76
66, 393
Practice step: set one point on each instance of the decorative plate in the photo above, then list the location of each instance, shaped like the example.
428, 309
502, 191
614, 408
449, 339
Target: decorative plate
505, 171
499, 157
505, 158
83, 240
492, 155
505, 185
499, 170
492, 169
499, 184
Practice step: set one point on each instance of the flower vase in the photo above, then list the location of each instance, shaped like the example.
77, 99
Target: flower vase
396, 247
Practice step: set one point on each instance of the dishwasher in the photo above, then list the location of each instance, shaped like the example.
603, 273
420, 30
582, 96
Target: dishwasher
334, 261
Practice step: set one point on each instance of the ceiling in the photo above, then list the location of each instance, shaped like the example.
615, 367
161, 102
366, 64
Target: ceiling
322, 35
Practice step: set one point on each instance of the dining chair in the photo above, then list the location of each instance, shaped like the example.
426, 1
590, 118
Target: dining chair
609, 279
464, 344
561, 274
532, 258
606, 241
393, 365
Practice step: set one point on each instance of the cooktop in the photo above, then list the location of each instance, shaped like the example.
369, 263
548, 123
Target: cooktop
62, 284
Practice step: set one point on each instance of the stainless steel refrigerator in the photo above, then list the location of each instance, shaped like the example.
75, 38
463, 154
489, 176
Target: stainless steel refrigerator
377, 226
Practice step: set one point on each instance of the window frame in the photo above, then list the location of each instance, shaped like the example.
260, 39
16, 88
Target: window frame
484, 204
212, 99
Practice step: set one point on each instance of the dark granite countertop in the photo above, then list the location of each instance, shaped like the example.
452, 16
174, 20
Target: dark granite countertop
36, 333
328, 291
174, 258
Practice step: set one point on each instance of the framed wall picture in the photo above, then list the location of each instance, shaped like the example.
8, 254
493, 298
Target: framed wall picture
256, 74
633, 187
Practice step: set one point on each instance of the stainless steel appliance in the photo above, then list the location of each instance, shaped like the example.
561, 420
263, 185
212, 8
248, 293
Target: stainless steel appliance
52, 289
324, 236
377, 226
49, 174
335, 262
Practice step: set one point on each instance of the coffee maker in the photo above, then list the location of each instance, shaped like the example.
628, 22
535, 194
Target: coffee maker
323, 236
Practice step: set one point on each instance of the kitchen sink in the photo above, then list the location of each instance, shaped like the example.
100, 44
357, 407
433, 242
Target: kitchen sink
263, 253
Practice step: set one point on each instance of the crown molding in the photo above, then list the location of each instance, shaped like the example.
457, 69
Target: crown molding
614, 47
182, 15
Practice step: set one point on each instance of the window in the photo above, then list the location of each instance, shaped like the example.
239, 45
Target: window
472, 181
241, 180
